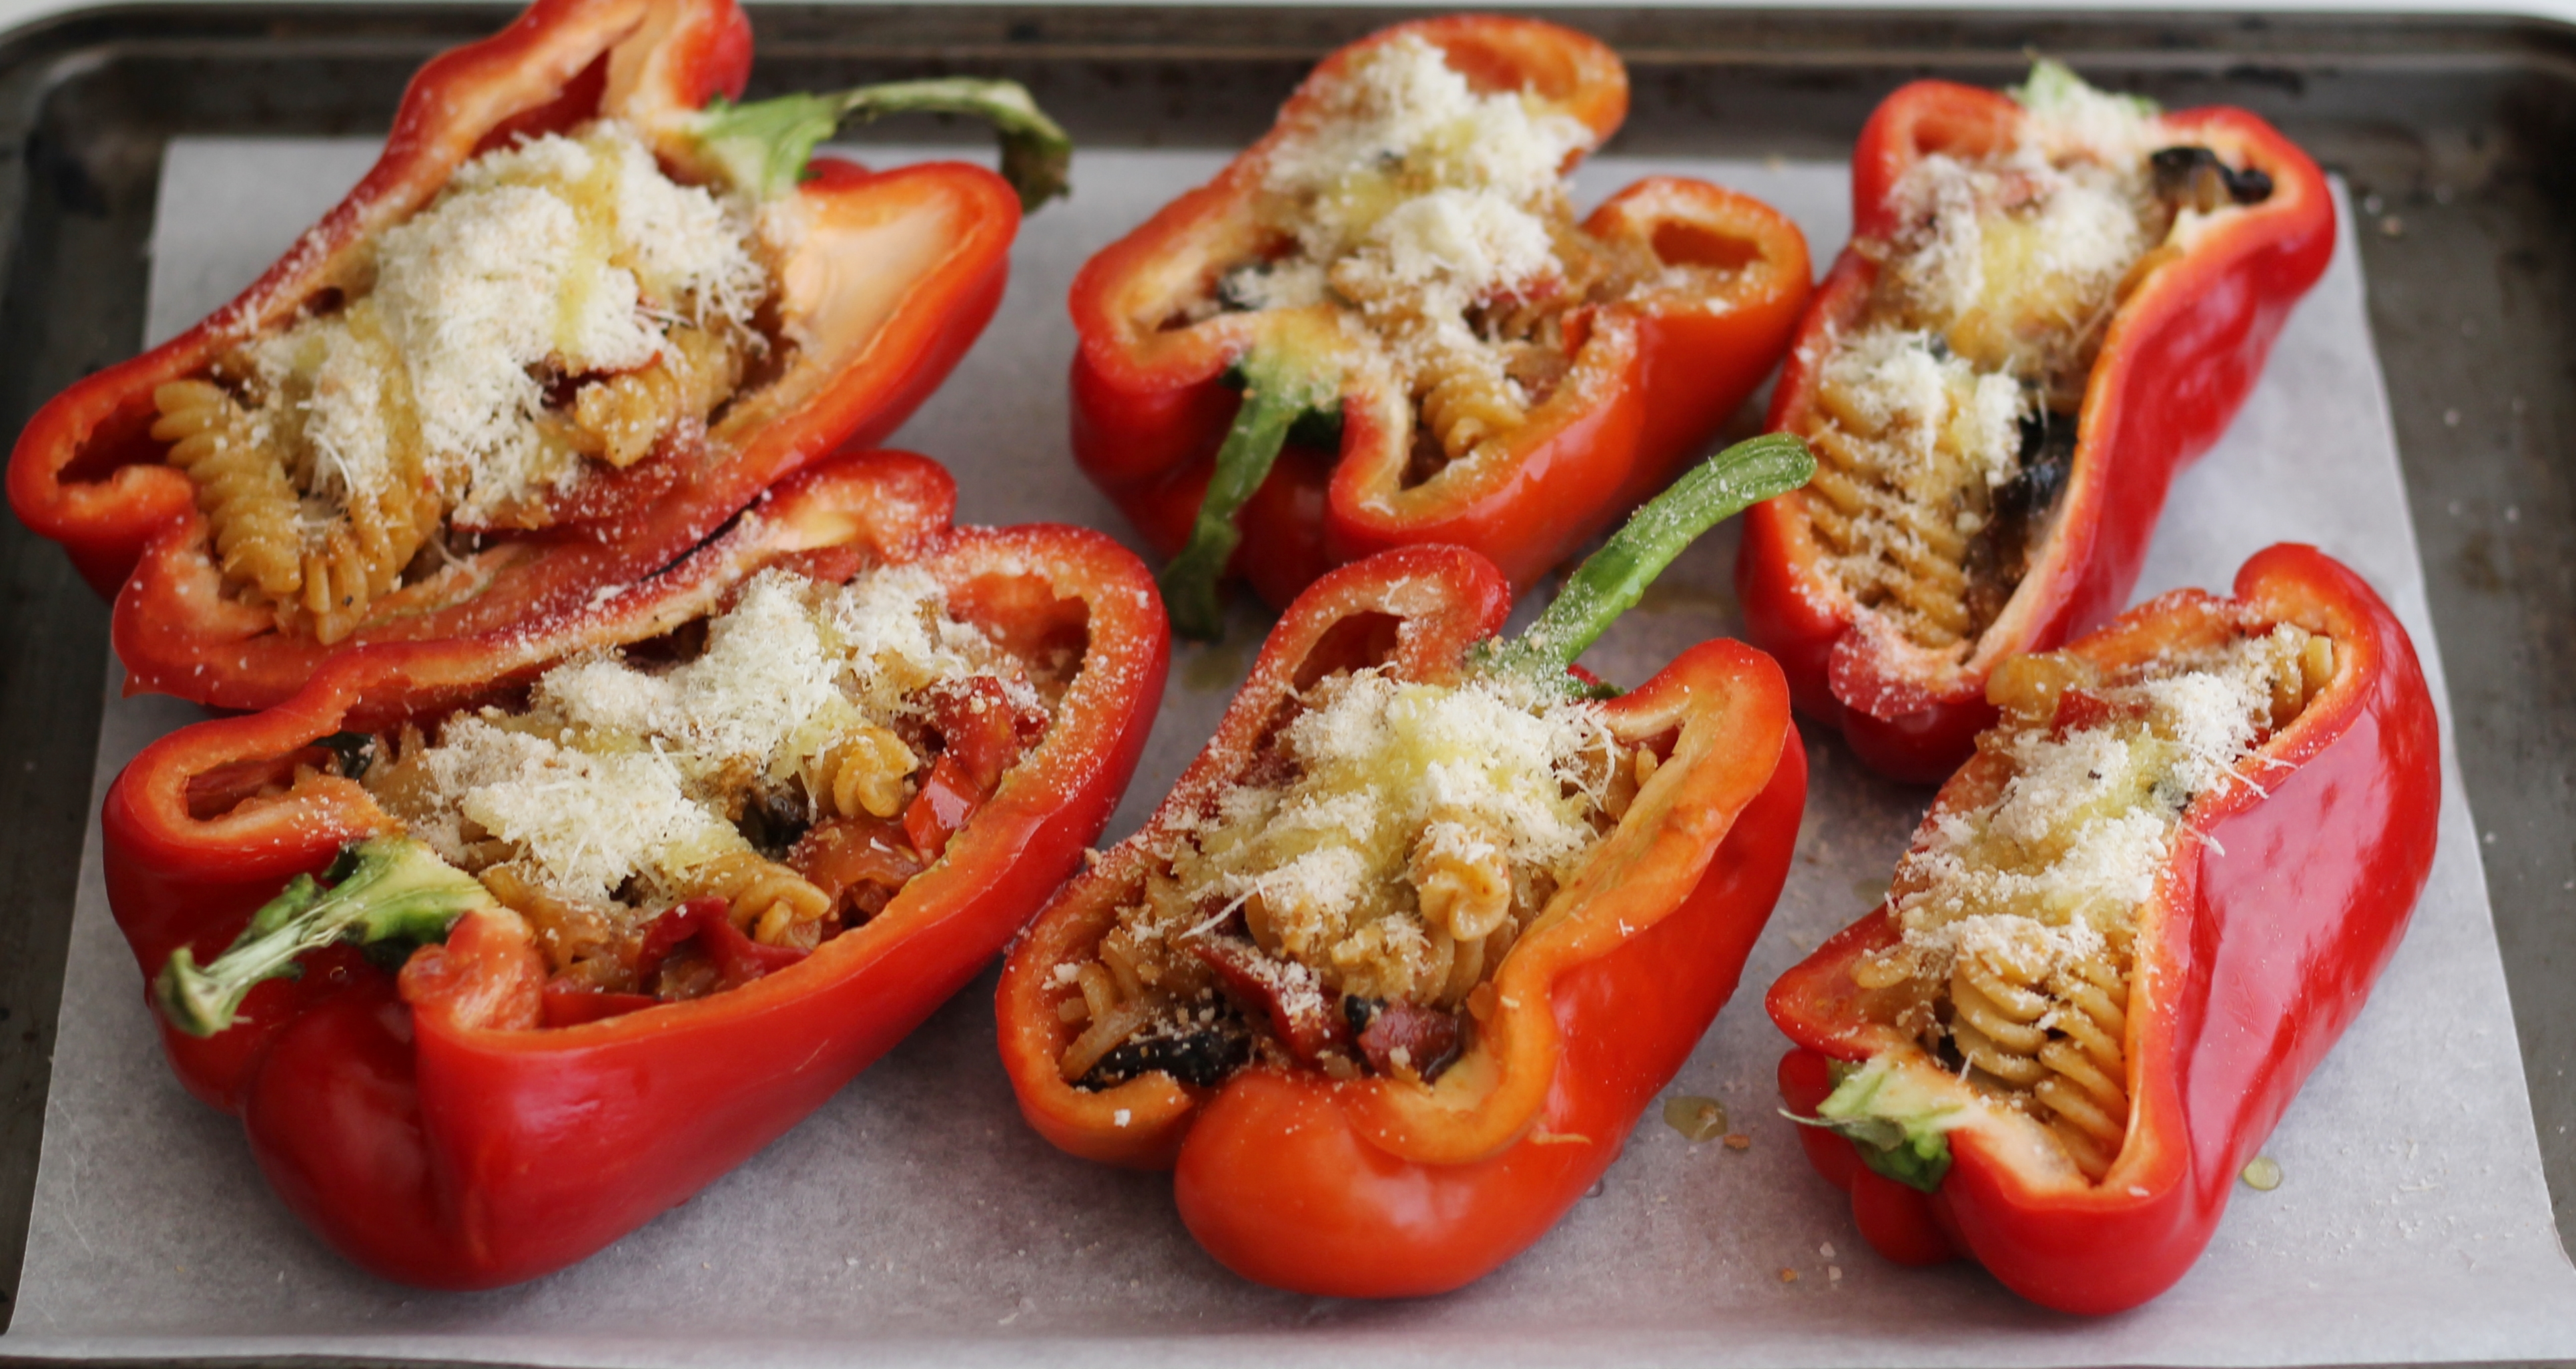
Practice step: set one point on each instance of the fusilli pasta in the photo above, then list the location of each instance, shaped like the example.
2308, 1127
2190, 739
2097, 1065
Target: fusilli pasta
1336, 900
241, 485
619, 419
771, 903
2017, 916
865, 771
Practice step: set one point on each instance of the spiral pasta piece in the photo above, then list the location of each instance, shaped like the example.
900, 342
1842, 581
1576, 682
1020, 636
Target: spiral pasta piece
1465, 400
1996, 1011
250, 506
1464, 884
622, 418
2299, 677
1113, 1002
772, 903
864, 771
1896, 545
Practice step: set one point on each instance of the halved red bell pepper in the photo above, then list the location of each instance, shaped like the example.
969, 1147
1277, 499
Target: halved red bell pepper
2278, 907
1381, 1186
889, 280
2177, 360
428, 1126
1652, 377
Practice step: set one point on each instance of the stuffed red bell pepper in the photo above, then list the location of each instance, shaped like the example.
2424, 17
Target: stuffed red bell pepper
2051, 303
1382, 325
1391, 974
578, 314
493, 983
2124, 935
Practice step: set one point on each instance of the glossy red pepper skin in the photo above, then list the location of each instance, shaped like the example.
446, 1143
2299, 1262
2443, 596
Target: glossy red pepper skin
1377, 1188
893, 278
2177, 360
2267, 929
427, 1126
1651, 383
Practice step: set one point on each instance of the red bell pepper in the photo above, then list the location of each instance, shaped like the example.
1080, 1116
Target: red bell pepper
1653, 375
1382, 1185
882, 284
2278, 906
466, 1124
2176, 361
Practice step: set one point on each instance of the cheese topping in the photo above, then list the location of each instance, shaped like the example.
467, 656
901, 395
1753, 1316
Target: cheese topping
1925, 402
557, 258
1947, 413
2058, 863
615, 771
1434, 218
587, 822
1427, 182
1375, 862
1386, 764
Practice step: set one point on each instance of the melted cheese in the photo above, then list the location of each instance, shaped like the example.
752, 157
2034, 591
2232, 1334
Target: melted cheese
1381, 760
2034, 240
1410, 178
568, 256
585, 822
615, 771
2073, 844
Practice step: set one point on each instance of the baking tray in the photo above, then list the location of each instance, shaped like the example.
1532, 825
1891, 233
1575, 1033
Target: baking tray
2447, 130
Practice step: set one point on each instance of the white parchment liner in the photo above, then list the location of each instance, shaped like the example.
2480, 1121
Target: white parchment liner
916, 1219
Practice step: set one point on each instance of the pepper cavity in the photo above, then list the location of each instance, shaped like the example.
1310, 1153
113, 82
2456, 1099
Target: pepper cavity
2018, 907
1947, 411
1409, 236
680, 819
348, 456
1345, 901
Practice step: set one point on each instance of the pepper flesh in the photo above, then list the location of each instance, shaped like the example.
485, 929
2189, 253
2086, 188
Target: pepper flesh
2178, 358
1651, 382
1387, 1186
893, 276
426, 1126
2272, 917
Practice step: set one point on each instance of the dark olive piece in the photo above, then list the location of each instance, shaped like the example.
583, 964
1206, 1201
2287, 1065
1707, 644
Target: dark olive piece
1201, 1059
2195, 178
355, 751
1359, 1012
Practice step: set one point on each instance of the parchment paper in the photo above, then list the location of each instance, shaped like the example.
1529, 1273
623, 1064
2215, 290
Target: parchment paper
916, 1219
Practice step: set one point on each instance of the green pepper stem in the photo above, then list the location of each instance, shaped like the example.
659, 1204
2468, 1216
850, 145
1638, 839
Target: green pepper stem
1613, 579
1280, 387
1899, 1128
388, 887
762, 147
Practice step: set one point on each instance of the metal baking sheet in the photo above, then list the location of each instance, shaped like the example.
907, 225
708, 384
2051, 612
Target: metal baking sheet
1741, 1080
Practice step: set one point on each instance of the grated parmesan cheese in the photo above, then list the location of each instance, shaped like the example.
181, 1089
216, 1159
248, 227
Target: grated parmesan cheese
615, 772
1383, 764
586, 823
2070, 848
1402, 107
1910, 394
1413, 197
560, 256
